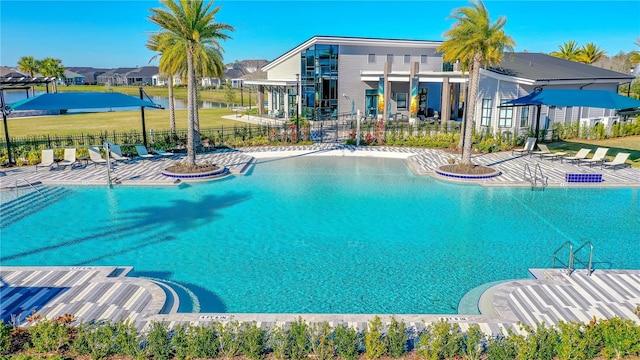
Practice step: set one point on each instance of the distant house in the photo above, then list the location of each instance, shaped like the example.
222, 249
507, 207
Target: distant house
71, 78
90, 74
9, 72
162, 80
141, 76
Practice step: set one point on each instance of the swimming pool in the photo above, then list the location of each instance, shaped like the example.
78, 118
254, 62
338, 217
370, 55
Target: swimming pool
326, 235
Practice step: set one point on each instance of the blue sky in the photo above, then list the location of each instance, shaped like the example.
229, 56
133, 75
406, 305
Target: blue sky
113, 33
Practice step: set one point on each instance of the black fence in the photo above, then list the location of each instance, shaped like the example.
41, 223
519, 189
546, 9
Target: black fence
336, 131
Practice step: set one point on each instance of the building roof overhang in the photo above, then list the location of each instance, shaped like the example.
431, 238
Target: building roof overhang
344, 40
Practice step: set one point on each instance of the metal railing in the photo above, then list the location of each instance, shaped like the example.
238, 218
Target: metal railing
590, 265
30, 184
533, 178
570, 266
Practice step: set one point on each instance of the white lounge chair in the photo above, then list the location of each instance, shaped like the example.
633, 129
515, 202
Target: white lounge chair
143, 153
545, 153
116, 153
619, 160
582, 154
46, 159
69, 157
598, 157
95, 157
528, 146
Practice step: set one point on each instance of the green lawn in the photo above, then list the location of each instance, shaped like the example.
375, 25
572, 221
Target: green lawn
113, 121
179, 92
627, 144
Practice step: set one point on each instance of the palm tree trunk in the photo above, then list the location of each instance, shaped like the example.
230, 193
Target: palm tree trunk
172, 107
191, 82
197, 141
474, 76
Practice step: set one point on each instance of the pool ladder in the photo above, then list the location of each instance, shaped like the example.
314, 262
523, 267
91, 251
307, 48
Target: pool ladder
535, 177
30, 185
573, 258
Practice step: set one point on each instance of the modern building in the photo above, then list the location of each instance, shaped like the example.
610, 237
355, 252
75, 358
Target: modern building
337, 75
71, 78
328, 77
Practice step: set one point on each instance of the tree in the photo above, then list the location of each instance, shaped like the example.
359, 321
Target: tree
590, 53
52, 67
634, 56
28, 65
568, 51
190, 25
162, 42
475, 42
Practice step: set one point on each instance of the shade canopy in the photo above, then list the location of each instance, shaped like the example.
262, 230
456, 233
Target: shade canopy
567, 97
80, 100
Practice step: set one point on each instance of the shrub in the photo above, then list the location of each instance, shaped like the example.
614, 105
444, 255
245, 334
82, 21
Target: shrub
277, 342
228, 344
202, 341
397, 338
253, 340
440, 340
49, 335
158, 342
5, 337
321, 342
621, 338
347, 342
374, 343
473, 343
297, 340
501, 347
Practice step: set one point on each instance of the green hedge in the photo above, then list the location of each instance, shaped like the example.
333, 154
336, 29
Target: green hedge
610, 339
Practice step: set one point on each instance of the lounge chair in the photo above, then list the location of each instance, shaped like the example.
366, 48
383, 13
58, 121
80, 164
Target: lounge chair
47, 159
116, 153
143, 153
545, 153
528, 146
69, 157
582, 154
619, 160
162, 152
95, 157
598, 157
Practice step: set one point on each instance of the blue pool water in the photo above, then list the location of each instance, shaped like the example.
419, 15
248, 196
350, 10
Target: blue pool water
327, 235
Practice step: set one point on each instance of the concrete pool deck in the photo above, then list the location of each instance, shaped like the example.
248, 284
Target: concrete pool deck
239, 161
100, 293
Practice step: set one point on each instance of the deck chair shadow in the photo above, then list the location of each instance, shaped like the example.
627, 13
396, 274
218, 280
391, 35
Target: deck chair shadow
582, 154
69, 158
95, 157
47, 159
162, 152
116, 153
545, 153
598, 157
619, 160
143, 153
528, 146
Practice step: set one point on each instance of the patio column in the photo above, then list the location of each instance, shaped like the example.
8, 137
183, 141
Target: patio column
445, 108
387, 90
260, 100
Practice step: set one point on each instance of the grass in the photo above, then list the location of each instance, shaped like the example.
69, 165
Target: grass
628, 144
70, 124
214, 95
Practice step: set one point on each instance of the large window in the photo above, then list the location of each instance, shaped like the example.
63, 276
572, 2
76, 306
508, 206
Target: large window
506, 116
487, 106
424, 59
320, 82
407, 59
401, 100
390, 58
524, 116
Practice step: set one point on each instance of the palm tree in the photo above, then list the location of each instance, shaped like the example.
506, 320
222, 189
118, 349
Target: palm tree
190, 25
161, 42
475, 42
634, 56
52, 67
590, 53
28, 65
569, 51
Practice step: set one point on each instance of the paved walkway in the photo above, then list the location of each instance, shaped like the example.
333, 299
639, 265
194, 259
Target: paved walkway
101, 293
